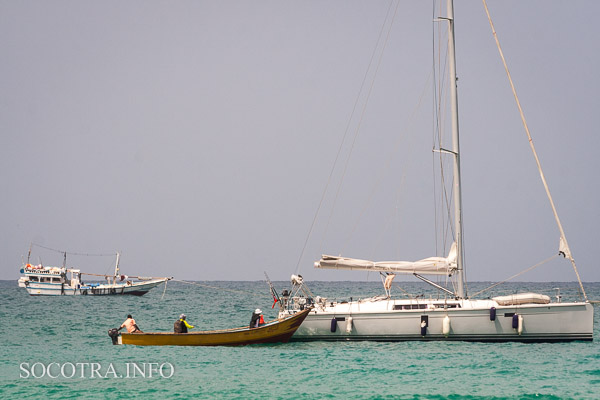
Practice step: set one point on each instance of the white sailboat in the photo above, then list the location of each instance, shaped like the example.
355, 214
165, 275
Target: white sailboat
525, 317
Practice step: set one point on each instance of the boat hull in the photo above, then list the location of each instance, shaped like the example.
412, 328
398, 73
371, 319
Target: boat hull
554, 322
273, 332
59, 289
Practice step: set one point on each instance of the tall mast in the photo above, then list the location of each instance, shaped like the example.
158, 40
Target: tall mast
460, 290
117, 266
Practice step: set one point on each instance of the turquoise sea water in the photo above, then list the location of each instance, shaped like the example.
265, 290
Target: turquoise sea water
38, 331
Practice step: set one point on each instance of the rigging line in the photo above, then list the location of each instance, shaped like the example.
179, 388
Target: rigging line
387, 166
218, 288
537, 160
363, 112
106, 271
437, 136
395, 220
74, 254
128, 276
440, 114
410, 296
341, 144
104, 275
514, 276
108, 268
435, 133
364, 106
164, 291
436, 118
446, 199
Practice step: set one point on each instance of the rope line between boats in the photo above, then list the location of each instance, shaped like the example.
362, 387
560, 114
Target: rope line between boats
218, 288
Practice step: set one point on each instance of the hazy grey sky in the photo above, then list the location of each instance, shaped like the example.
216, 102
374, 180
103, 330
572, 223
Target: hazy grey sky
197, 137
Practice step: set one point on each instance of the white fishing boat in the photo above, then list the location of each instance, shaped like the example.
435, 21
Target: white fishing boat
525, 317
41, 280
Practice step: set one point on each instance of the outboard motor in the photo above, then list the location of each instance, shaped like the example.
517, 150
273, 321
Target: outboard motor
114, 335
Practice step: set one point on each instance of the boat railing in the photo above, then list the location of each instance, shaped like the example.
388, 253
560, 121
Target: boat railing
38, 269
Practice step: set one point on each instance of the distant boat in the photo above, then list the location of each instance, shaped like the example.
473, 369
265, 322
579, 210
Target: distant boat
524, 317
278, 330
41, 280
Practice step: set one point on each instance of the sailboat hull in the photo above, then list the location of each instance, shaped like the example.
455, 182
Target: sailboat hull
470, 321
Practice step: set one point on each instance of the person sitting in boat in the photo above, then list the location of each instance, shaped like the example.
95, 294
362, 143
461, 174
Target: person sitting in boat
257, 319
130, 325
181, 325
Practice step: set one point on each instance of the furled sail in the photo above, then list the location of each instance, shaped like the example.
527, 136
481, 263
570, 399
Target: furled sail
430, 266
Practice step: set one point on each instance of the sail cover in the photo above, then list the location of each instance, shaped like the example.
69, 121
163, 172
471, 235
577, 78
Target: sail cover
430, 266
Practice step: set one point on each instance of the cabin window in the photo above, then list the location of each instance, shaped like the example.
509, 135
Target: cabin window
33, 278
447, 305
410, 306
57, 280
45, 279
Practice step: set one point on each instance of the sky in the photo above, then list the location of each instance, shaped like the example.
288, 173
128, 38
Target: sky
198, 137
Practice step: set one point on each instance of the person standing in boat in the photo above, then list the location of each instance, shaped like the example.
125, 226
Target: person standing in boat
257, 319
181, 325
130, 325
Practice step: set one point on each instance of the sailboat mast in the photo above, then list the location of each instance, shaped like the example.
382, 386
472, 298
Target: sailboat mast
117, 266
460, 290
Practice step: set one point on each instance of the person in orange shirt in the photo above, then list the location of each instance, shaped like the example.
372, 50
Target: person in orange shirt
130, 325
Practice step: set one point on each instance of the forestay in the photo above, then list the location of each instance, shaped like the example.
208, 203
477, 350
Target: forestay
430, 266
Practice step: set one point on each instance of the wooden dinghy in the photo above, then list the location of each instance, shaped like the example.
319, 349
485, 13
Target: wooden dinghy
278, 330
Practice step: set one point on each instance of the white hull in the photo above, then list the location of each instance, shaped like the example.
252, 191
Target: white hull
522, 317
468, 321
59, 289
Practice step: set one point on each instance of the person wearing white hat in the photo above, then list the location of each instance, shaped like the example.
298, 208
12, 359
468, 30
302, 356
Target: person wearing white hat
257, 319
181, 325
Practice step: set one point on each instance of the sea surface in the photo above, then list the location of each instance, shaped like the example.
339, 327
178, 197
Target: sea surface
58, 347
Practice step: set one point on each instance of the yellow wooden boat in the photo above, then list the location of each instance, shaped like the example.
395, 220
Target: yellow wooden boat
278, 330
